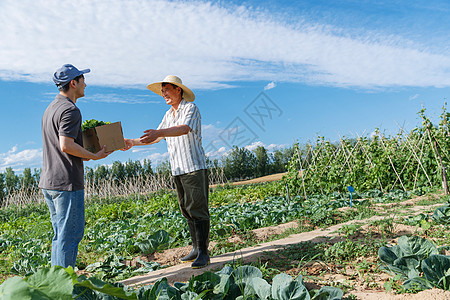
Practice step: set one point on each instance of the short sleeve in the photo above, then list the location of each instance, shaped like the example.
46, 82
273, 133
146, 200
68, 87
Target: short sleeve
70, 123
191, 117
162, 125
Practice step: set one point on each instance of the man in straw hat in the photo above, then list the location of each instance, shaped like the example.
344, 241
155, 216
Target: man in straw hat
181, 128
62, 177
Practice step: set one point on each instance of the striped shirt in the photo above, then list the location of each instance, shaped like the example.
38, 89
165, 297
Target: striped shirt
185, 151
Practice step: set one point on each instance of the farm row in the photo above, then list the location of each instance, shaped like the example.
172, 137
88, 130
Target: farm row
120, 229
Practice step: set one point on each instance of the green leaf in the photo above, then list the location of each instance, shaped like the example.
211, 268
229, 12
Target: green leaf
106, 288
262, 289
327, 293
405, 258
409, 266
227, 287
436, 269
54, 283
224, 285
189, 296
205, 281
417, 246
441, 215
87, 124
243, 275
417, 284
285, 288
444, 282
161, 290
83, 293
387, 254
227, 270
15, 288
153, 242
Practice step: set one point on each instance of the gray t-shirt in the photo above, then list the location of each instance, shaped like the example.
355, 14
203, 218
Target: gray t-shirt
61, 171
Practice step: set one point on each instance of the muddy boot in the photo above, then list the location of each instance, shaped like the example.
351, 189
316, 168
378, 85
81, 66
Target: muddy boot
194, 252
202, 235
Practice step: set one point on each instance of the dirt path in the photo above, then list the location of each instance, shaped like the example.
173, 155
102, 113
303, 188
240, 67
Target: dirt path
182, 272
273, 177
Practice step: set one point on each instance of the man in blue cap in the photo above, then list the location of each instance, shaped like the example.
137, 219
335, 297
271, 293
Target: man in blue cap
62, 177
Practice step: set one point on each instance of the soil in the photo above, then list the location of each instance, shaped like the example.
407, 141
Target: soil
364, 284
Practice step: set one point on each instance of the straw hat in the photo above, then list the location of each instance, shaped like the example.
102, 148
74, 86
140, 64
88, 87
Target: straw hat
188, 95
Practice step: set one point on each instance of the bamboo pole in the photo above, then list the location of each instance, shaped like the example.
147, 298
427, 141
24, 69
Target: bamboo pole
301, 170
443, 174
392, 164
419, 160
372, 165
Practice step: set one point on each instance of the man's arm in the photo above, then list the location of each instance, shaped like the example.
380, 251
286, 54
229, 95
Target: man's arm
137, 142
152, 136
68, 145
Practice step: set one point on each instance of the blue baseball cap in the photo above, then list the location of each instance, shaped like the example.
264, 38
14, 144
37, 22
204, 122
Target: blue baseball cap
67, 73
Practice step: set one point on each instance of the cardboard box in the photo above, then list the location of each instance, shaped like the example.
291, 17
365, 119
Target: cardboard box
110, 135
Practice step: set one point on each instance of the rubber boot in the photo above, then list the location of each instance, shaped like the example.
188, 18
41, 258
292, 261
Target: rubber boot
202, 235
194, 252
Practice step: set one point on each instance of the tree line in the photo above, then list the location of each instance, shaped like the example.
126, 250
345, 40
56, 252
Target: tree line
242, 163
239, 163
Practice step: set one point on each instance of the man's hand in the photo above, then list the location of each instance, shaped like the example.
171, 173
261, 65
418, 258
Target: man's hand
101, 154
149, 136
68, 145
128, 144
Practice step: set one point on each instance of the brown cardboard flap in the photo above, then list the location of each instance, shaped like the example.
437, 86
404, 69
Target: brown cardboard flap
110, 135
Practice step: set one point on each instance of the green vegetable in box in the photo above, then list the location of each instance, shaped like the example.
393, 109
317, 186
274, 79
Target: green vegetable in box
88, 124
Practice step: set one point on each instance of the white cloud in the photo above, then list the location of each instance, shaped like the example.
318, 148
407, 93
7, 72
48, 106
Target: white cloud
254, 145
143, 149
414, 97
158, 158
374, 134
116, 98
273, 147
215, 147
18, 160
210, 133
209, 45
216, 153
270, 86
270, 147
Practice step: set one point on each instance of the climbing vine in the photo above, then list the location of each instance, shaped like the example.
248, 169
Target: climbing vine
407, 161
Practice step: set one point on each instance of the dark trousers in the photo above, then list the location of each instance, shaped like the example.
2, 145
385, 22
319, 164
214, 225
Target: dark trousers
193, 190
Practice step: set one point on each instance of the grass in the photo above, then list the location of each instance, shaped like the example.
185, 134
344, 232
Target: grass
350, 230
247, 239
433, 199
440, 234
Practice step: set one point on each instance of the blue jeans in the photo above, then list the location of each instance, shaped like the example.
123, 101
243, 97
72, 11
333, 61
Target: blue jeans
67, 216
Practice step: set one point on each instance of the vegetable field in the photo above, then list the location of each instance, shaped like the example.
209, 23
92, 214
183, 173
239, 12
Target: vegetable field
121, 231
390, 237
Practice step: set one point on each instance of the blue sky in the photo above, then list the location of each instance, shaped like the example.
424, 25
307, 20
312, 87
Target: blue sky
264, 72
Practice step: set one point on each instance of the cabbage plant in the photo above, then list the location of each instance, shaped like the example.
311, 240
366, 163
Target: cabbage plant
418, 262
